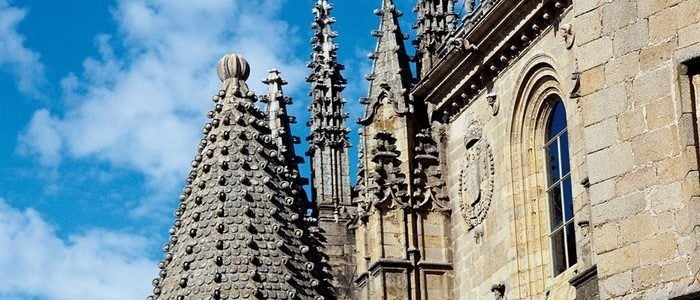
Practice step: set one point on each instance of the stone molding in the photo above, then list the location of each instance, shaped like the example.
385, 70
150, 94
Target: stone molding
584, 276
497, 40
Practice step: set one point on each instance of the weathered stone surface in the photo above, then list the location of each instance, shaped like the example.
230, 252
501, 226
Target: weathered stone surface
665, 143
597, 52
607, 236
628, 76
663, 26
592, 80
648, 7
239, 230
688, 35
619, 208
675, 270
647, 276
631, 123
622, 68
586, 6
658, 197
617, 285
618, 260
637, 228
610, 162
593, 24
603, 104
656, 249
601, 135
649, 87
687, 13
631, 38
636, 180
654, 56
618, 14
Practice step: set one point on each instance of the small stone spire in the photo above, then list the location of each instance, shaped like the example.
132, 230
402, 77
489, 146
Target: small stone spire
280, 128
240, 231
436, 20
391, 73
324, 57
328, 140
276, 108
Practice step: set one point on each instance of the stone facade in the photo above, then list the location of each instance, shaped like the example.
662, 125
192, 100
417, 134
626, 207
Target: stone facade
541, 150
626, 73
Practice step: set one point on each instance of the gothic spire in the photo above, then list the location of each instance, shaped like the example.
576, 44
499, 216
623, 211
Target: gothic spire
436, 20
240, 231
276, 107
280, 128
329, 135
391, 73
324, 63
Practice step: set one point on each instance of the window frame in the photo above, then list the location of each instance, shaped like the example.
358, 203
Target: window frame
566, 247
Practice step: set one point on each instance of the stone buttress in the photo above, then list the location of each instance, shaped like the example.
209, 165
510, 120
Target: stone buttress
402, 220
240, 231
328, 151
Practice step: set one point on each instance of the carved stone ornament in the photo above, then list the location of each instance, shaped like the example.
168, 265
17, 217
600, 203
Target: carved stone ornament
386, 96
476, 177
499, 291
575, 83
493, 102
567, 32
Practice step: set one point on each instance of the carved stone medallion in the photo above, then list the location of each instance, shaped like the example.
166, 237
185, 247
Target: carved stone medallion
476, 177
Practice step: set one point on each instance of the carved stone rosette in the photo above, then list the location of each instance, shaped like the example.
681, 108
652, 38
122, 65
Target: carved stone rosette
476, 177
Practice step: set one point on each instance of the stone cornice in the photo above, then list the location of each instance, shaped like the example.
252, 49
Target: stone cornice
435, 265
584, 276
390, 263
479, 53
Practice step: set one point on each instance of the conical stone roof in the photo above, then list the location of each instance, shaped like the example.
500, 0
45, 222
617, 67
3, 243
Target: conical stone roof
240, 231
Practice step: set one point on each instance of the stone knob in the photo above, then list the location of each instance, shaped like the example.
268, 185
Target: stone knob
233, 66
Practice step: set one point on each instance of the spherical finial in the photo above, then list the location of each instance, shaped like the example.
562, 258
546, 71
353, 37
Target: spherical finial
233, 66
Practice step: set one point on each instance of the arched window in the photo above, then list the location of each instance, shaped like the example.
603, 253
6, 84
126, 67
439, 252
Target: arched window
561, 201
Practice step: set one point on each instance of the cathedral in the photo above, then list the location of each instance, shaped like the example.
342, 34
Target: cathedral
524, 149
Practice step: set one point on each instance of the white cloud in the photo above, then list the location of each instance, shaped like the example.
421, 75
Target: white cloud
15, 58
47, 143
143, 108
97, 264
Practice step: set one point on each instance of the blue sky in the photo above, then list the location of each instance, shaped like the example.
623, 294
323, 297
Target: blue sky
101, 107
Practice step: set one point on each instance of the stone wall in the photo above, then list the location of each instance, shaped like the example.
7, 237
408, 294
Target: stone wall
339, 246
640, 134
511, 247
627, 72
